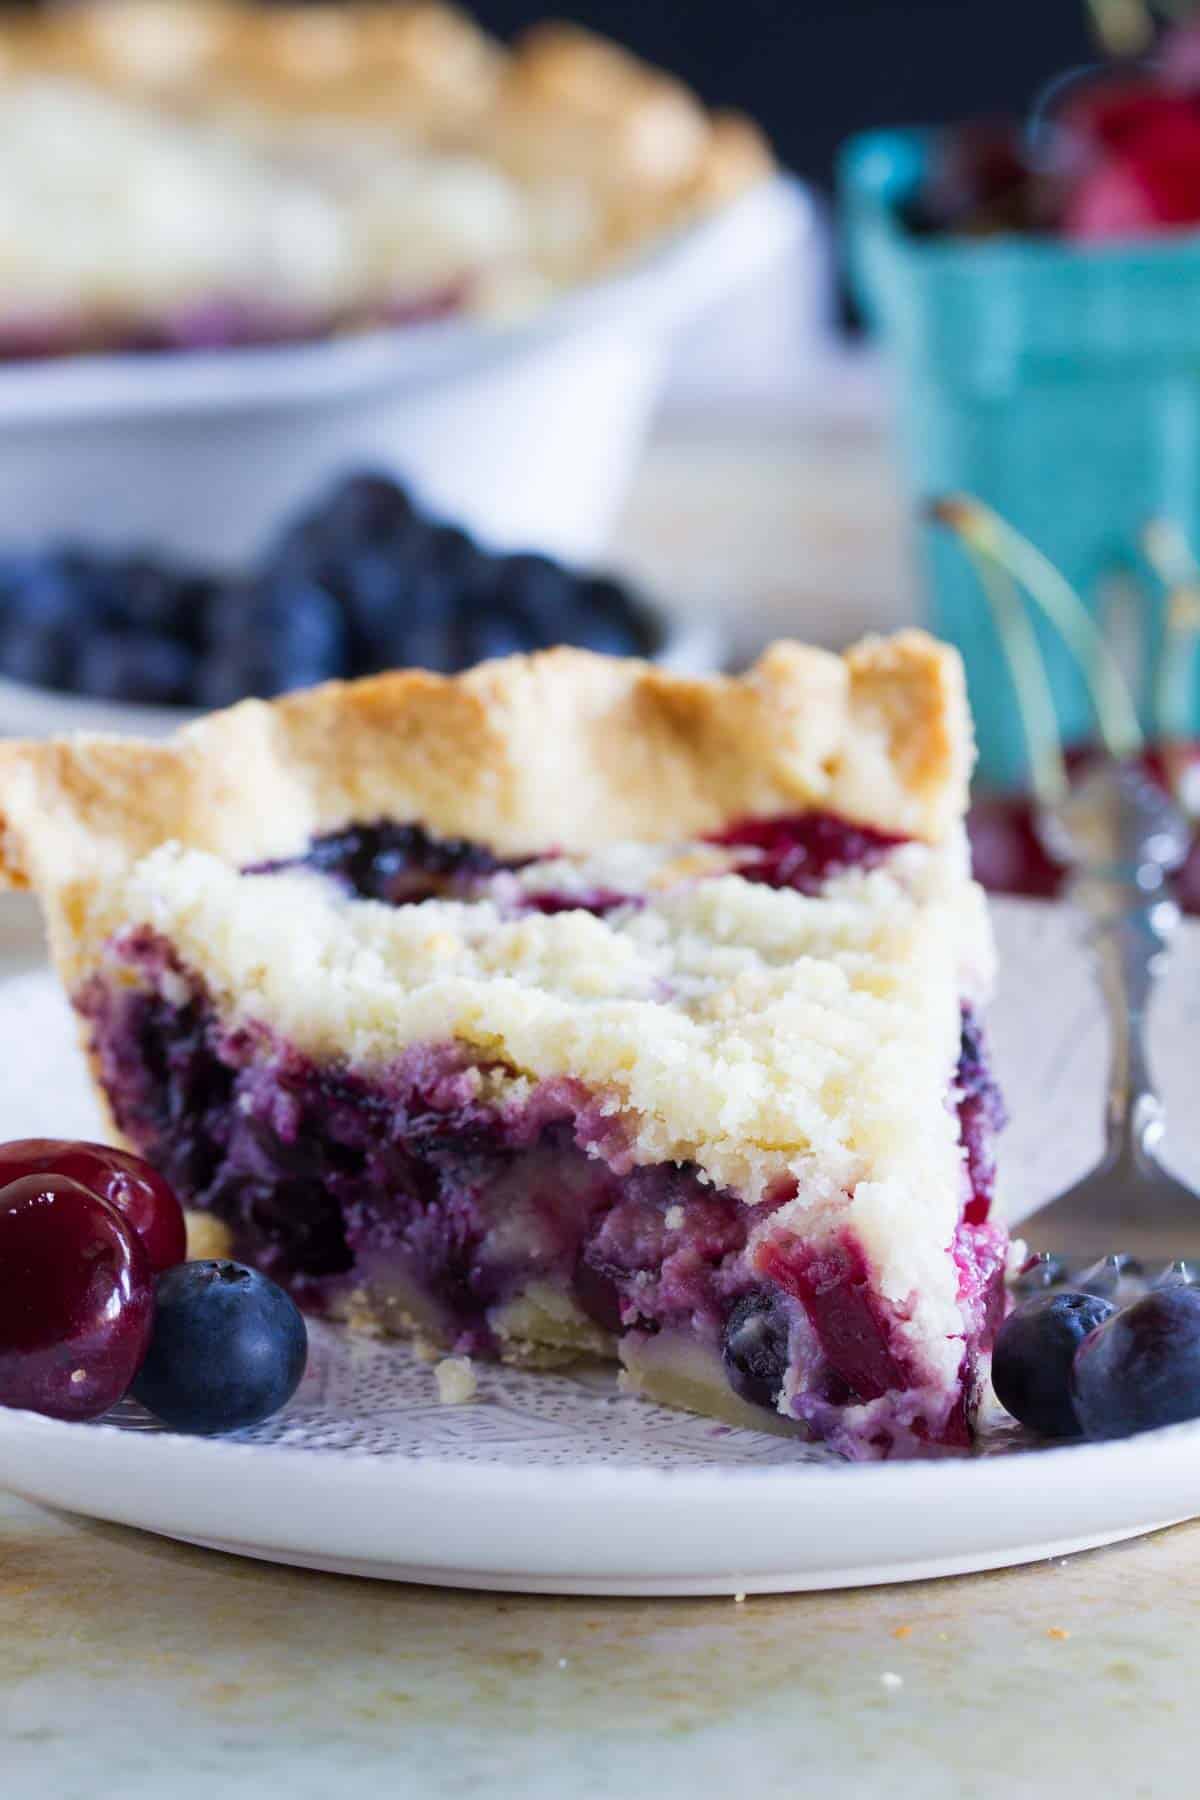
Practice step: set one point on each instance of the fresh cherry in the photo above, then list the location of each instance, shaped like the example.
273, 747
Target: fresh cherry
137, 1191
76, 1299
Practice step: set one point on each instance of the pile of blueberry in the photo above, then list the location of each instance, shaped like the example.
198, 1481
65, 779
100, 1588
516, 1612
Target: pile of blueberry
361, 582
1102, 1354
96, 1300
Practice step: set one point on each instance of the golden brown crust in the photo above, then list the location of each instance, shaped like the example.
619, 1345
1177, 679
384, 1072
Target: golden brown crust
563, 749
563, 103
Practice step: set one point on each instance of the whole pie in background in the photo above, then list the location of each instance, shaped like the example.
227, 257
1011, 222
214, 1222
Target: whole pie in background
190, 173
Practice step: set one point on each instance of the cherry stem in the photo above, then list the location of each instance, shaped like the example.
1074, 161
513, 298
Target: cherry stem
1035, 703
1173, 561
1124, 27
979, 528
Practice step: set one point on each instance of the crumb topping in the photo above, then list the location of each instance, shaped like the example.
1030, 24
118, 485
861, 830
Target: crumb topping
455, 1377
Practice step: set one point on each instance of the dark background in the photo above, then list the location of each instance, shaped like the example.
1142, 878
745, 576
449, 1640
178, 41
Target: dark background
812, 71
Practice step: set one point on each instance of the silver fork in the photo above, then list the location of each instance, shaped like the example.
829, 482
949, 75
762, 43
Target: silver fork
1122, 838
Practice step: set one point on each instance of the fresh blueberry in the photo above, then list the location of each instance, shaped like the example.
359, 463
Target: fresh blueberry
371, 586
1106, 1276
755, 1348
538, 591
297, 633
492, 634
365, 508
195, 597
1178, 1274
47, 590
1041, 1271
603, 619
43, 655
1031, 1359
228, 1348
148, 595
1142, 1367
145, 668
363, 511
425, 636
225, 675
456, 557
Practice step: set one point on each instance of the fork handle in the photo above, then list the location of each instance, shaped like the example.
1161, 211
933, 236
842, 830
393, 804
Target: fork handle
1130, 933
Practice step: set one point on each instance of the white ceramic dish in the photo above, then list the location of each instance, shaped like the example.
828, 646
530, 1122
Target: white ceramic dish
555, 1484
526, 434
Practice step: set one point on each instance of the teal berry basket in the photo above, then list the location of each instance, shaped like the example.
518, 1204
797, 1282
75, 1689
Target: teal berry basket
1059, 385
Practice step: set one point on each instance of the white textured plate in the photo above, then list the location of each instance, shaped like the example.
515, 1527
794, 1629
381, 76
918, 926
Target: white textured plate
553, 1483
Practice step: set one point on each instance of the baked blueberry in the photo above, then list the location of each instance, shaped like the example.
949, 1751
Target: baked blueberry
1141, 1368
228, 1348
1032, 1357
755, 1348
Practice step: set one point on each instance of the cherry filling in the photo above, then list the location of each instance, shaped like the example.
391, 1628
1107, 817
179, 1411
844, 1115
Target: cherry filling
803, 850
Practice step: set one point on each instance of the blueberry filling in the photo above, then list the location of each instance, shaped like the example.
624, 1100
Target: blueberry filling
398, 864
405, 1184
403, 864
981, 1113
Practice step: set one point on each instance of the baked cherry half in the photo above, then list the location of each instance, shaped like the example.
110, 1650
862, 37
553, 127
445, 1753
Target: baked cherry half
76, 1299
145, 1201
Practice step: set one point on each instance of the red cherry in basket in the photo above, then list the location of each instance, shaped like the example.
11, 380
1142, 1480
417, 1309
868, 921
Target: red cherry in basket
1178, 59
138, 1192
1112, 115
76, 1299
1151, 185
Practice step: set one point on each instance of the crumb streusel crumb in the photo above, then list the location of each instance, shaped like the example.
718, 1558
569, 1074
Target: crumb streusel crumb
209, 1239
455, 1377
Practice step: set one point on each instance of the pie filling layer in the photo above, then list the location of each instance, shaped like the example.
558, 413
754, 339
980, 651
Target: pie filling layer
717, 1109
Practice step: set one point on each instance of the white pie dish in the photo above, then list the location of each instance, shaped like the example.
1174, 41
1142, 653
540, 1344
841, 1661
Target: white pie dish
525, 433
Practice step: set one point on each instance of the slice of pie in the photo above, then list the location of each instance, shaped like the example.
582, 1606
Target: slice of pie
565, 1008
